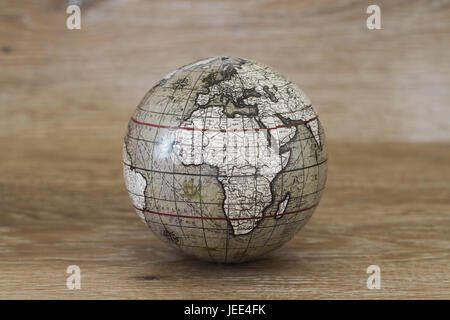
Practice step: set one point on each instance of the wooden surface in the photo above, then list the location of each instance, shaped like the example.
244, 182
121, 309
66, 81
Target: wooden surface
66, 97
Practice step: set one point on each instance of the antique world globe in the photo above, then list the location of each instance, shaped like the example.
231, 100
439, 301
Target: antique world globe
225, 159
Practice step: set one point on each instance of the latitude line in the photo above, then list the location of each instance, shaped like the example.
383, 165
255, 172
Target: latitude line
160, 126
199, 91
223, 229
181, 144
221, 176
218, 203
224, 218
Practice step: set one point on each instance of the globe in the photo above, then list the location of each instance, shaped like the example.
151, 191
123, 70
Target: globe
225, 159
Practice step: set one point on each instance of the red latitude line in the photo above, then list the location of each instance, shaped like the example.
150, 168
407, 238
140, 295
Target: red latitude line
223, 218
223, 130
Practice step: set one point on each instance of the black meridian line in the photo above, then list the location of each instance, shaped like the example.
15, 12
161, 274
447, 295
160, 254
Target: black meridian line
229, 224
282, 188
318, 148
200, 179
272, 187
152, 157
254, 136
303, 182
173, 161
225, 198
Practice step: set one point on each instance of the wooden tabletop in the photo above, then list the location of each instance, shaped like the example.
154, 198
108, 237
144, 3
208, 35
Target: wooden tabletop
382, 95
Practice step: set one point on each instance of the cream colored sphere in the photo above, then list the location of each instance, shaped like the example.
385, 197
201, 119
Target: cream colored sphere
225, 159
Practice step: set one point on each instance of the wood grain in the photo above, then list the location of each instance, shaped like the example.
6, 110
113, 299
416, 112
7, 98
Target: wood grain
66, 97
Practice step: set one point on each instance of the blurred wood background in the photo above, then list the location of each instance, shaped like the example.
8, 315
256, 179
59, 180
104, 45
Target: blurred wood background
382, 95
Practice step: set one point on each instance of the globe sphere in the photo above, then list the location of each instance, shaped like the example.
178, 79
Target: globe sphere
225, 159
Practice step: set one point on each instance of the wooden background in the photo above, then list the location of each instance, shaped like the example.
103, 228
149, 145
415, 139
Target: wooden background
66, 97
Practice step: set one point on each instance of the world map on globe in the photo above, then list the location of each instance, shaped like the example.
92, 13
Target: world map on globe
225, 159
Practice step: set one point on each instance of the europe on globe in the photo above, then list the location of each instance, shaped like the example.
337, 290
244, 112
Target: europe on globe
225, 159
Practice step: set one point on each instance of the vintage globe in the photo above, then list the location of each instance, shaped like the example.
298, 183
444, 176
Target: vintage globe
225, 159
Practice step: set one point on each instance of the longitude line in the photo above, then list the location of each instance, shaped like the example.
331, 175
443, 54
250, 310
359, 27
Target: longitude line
201, 209
173, 161
152, 157
256, 178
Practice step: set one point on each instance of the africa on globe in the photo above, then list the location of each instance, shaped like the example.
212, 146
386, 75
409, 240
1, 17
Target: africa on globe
225, 159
